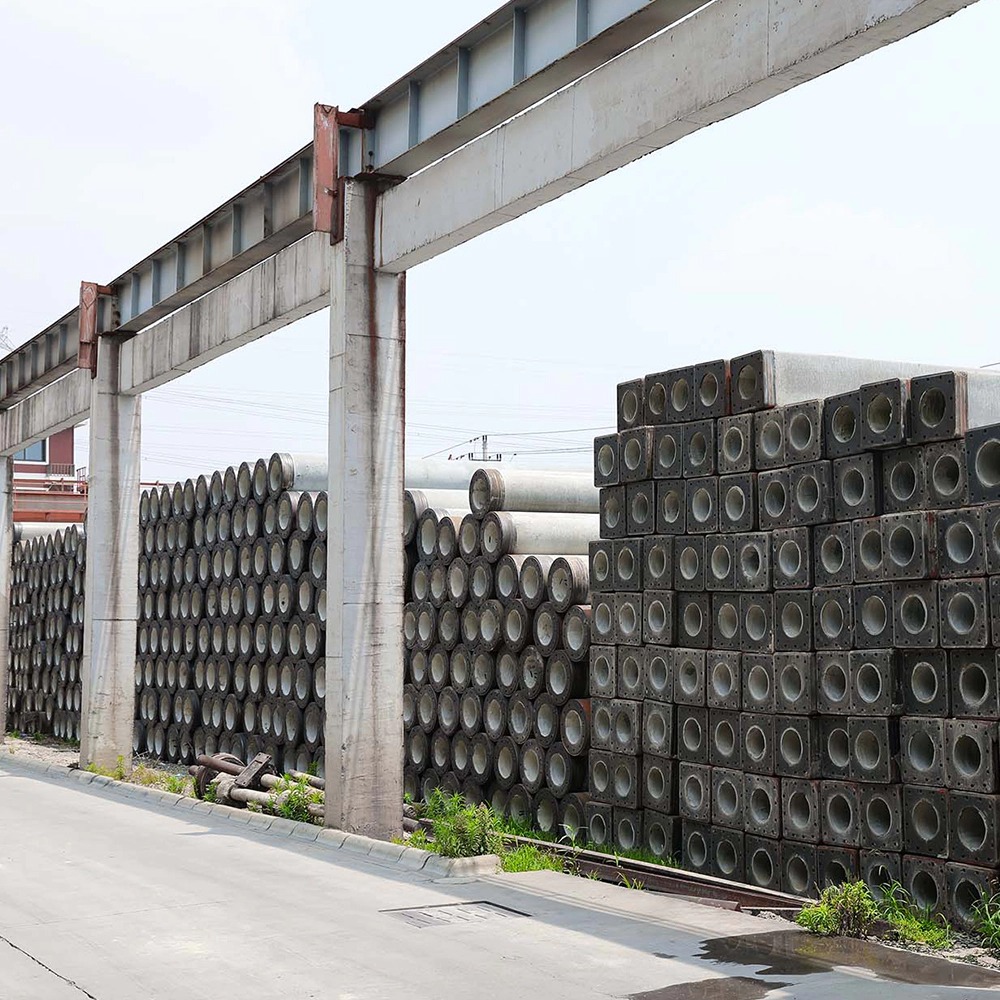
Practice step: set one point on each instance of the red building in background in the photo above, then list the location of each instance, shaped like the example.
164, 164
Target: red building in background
46, 484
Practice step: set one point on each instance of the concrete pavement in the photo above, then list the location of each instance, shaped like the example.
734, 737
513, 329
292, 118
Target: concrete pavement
105, 898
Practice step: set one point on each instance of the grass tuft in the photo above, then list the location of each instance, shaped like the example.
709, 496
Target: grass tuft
913, 924
848, 910
291, 798
528, 858
851, 910
986, 920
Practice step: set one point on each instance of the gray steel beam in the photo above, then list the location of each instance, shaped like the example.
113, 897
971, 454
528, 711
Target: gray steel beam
520, 54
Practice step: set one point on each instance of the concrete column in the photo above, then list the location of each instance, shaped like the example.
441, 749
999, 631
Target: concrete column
364, 657
112, 592
6, 572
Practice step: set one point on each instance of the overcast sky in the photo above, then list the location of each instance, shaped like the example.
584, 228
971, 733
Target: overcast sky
856, 215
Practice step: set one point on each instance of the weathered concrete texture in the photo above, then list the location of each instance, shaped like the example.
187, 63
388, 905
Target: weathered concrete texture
62, 404
109, 629
137, 901
364, 654
730, 56
6, 572
293, 283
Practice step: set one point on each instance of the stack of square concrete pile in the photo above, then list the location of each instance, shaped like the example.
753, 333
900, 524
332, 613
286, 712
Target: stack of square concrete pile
794, 673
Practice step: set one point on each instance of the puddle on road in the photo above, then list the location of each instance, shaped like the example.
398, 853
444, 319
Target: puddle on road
730, 988
793, 953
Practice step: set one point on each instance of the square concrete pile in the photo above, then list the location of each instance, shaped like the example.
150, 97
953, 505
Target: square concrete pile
795, 615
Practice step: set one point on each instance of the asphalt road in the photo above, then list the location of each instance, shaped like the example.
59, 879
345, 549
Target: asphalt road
105, 899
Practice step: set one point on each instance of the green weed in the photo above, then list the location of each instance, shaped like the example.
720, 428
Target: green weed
848, 909
851, 910
117, 772
211, 792
528, 858
291, 798
912, 923
986, 920
460, 830
631, 883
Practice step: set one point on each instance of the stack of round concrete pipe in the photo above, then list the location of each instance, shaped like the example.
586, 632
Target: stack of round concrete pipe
497, 633
232, 618
44, 691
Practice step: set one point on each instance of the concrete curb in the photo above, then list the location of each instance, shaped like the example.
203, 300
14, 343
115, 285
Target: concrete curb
383, 852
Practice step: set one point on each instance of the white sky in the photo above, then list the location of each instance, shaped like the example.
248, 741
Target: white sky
856, 215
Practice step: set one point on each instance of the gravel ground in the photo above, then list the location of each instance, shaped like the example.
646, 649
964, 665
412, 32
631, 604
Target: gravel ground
47, 750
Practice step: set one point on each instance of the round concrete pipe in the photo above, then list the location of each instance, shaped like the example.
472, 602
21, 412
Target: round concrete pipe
531, 579
312, 726
470, 713
495, 715
531, 490
447, 536
506, 762
516, 626
306, 596
229, 487
520, 805
491, 618
481, 758
469, 538
439, 474
416, 501
286, 678
532, 766
568, 582
576, 632
320, 514
563, 773
565, 679
546, 721
537, 533
503, 578
508, 672
520, 718
303, 472
457, 582
438, 583
574, 726
483, 672
460, 667
531, 671
547, 629
317, 562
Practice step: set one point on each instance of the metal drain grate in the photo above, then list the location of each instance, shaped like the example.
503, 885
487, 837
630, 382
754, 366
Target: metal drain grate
454, 913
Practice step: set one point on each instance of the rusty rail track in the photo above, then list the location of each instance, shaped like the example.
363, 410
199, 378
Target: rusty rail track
706, 889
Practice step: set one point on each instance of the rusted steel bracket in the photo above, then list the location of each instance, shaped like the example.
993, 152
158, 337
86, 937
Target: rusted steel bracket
90, 293
250, 776
328, 201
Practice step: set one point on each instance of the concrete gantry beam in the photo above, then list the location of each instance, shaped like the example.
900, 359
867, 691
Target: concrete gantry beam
59, 405
364, 654
6, 572
109, 625
729, 56
294, 283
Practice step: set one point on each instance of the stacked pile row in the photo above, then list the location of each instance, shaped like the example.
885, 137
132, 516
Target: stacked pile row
794, 672
497, 636
232, 608
46, 632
